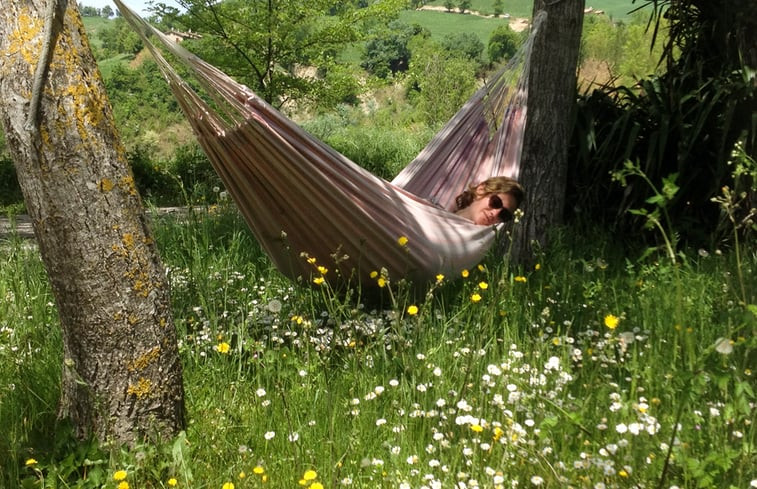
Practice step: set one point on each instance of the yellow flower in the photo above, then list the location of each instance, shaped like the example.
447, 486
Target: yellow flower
537, 266
477, 428
227, 485
119, 475
172, 482
475, 298
322, 270
439, 278
381, 282
402, 240
222, 347
521, 278
611, 321
483, 285
498, 432
374, 274
622, 473
465, 273
242, 475
123, 485
310, 475
481, 268
319, 280
258, 470
311, 260
412, 310
30, 461
316, 485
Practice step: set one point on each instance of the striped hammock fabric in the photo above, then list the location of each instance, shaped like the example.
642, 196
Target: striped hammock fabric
313, 210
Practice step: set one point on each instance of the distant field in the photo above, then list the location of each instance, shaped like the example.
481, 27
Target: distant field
617, 9
442, 23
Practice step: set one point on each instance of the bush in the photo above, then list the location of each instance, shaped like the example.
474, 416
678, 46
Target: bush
10, 191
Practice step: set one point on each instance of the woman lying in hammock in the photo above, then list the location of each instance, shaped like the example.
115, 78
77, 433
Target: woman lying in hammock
490, 202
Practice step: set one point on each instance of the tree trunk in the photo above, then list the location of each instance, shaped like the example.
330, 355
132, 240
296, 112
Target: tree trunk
121, 371
551, 102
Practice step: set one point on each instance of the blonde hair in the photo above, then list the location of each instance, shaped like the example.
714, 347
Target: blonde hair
493, 185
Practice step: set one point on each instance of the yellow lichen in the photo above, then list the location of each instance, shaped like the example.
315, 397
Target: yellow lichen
106, 185
145, 359
142, 389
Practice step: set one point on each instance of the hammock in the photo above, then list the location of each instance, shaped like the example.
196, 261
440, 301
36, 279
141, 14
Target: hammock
313, 210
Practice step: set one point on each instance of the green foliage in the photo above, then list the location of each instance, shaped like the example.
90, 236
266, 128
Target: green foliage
140, 99
684, 121
381, 148
119, 38
439, 82
388, 53
265, 45
466, 45
503, 44
10, 191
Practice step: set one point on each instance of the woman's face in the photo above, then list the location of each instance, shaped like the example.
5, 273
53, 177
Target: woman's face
491, 209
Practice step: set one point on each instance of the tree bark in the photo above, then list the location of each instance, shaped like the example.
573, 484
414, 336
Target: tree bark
121, 372
551, 102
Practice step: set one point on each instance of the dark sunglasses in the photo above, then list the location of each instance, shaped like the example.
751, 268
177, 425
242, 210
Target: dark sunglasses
496, 203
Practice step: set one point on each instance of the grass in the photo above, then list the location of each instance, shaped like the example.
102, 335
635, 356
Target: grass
588, 370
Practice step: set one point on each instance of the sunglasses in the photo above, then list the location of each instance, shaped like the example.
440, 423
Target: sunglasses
496, 203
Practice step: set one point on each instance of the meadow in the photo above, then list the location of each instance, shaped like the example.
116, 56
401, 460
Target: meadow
588, 369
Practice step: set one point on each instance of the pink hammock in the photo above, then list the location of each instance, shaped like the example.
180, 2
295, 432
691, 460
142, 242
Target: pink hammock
311, 207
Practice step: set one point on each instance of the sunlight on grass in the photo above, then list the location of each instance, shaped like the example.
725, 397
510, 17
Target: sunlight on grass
587, 370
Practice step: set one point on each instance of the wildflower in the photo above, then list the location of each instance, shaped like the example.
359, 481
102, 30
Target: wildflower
483, 285
311, 260
30, 461
724, 346
475, 298
119, 475
260, 392
242, 475
439, 277
481, 268
316, 485
269, 435
412, 310
222, 347
611, 321
123, 485
536, 480
258, 470
381, 282
310, 475
537, 266
319, 280
521, 278
465, 273
172, 482
402, 240
227, 485
322, 270
476, 428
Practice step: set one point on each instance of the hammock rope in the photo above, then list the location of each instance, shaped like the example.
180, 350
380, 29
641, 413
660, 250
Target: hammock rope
310, 206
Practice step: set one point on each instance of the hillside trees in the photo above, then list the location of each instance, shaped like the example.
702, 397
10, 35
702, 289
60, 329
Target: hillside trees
121, 376
269, 46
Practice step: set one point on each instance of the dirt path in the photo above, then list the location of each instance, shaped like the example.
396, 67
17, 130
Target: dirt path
22, 223
517, 24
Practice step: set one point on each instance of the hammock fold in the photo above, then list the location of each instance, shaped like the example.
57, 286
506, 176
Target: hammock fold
310, 206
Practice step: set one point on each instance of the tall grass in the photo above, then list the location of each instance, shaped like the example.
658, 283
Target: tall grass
590, 370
